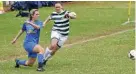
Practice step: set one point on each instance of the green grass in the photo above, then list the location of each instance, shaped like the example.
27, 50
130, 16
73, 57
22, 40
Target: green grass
90, 57
103, 56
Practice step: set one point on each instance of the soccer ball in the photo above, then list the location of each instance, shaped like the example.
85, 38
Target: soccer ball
72, 15
132, 54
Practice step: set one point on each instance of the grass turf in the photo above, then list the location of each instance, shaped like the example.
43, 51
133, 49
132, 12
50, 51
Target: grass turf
94, 19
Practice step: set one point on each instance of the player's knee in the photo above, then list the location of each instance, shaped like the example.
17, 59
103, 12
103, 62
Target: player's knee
41, 50
53, 52
31, 62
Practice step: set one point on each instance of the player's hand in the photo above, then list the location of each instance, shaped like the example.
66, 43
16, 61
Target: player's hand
14, 41
66, 15
28, 22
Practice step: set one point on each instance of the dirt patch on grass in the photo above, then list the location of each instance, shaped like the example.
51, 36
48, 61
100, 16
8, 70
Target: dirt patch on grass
103, 33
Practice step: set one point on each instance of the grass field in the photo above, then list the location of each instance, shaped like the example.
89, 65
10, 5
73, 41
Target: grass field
105, 52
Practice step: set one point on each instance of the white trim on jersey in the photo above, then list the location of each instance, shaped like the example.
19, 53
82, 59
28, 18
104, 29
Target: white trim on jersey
61, 28
62, 24
61, 20
56, 16
64, 32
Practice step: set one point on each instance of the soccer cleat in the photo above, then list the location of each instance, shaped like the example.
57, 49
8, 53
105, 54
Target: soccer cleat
44, 62
17, 65
40, 69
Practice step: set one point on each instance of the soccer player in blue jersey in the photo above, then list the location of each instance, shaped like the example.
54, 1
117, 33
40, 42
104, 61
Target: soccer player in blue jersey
31, 43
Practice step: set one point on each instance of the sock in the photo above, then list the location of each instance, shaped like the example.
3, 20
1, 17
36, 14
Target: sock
47, 52
22, 62
40, 58
48, 56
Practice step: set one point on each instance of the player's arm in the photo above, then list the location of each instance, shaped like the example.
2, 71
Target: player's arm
46, 21
32, 24
17, 36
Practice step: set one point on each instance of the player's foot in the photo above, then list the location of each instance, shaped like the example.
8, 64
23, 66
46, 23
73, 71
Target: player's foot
40, 69
44, 62
17, 65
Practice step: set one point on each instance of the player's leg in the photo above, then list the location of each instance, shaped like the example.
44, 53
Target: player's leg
29, 48
57, 43
32, 49
53, 46
29, 62
49, 52
32, 58
38, 49
20, 62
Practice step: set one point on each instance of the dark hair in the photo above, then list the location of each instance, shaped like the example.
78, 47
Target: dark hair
32, 12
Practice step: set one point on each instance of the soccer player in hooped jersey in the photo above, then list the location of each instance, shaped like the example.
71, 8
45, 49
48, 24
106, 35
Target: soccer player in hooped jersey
60, 30
32, 28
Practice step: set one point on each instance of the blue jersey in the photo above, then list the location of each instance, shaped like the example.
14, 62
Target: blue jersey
32, 34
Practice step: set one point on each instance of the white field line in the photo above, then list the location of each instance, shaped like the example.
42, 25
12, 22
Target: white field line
127, 22
81, 42
97, 38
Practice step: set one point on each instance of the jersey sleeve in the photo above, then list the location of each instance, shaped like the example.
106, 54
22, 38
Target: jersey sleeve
50, 16
24, 27
40, 24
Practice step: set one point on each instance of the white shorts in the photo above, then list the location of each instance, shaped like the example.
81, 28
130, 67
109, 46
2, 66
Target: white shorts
61, 39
